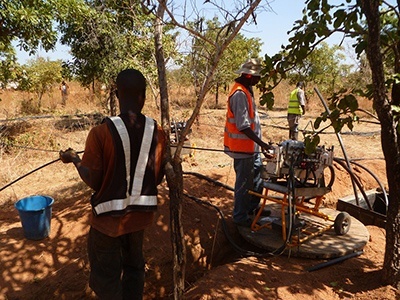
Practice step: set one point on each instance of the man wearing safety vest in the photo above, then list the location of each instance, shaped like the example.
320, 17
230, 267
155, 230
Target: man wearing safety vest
242, 142
122, 163
296, 108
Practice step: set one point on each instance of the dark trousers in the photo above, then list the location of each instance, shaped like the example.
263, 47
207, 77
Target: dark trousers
117, 265
248, 177
293, 121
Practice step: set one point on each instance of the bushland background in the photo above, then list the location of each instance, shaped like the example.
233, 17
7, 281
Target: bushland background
57, 267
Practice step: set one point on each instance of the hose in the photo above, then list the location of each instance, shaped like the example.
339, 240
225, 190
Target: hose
341, 145
334, 261
291, 182
31, 172
377, 180
291, 185
355, 180
373, 175
210, 180
225, 229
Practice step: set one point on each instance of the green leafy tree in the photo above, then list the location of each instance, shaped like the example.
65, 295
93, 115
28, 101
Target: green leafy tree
361, 76
40, 76
29, 22
106, 37
199, 60
8, 65
324, 67
90, 29
375, 26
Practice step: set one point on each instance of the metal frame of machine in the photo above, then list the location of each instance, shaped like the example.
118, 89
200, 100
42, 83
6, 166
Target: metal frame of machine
300, 178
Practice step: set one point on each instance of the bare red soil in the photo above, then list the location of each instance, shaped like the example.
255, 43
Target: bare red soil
57, 267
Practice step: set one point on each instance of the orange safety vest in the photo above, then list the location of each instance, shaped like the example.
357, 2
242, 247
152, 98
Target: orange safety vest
234, 139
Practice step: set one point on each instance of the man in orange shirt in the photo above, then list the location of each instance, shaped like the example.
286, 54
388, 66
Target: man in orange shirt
242, 142
122, 163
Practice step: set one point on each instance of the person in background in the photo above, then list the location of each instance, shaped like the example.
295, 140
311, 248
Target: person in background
64, 92
242, 142
296, 109
122, 163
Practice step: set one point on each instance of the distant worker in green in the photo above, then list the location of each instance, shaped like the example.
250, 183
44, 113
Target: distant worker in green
296, 109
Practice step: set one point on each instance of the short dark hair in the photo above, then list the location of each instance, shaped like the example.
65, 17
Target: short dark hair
131, 81
300, 84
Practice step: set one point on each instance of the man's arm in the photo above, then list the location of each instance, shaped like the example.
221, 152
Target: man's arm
302, 101
92, 178
251, 135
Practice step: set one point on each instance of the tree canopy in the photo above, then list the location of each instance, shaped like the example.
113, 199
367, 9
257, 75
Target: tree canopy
29, 22
325, 67
198, 61
39, 76
375, 27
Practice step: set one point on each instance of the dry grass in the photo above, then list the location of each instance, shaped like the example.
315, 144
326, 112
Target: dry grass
26, 144
182, 100
79, 100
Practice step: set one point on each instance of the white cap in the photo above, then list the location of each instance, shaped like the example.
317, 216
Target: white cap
252, 66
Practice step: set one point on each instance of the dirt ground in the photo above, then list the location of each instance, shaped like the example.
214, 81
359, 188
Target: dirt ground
57, 267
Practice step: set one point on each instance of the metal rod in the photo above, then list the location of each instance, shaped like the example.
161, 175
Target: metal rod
341, 145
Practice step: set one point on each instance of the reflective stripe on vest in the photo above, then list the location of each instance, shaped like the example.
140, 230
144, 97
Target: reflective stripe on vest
134, 198
294, 103
234, 139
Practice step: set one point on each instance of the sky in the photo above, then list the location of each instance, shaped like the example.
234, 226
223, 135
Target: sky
271, 28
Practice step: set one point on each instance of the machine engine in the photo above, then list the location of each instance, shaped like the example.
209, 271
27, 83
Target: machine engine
291, 154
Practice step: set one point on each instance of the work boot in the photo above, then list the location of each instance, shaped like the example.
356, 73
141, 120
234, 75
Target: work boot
264, 213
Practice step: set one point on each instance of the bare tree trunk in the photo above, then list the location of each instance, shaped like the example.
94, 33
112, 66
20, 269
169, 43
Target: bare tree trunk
153, 92
396, 85
173, 168
113, 106
40, 95
216, 95
112, 96
390, 143
92, 91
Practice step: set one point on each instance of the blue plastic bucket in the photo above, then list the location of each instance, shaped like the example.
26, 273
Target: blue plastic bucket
35, 215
